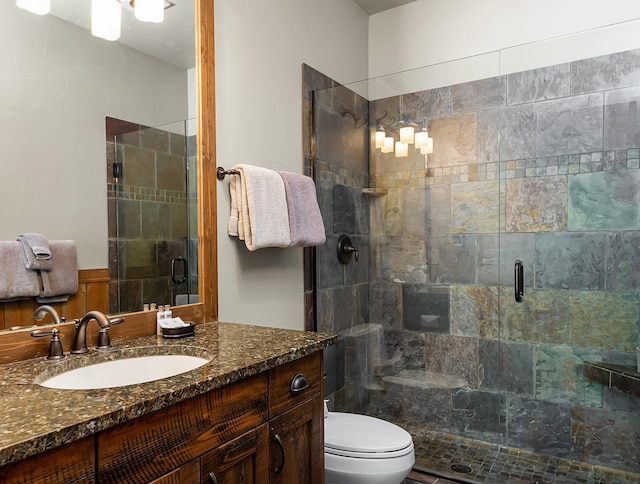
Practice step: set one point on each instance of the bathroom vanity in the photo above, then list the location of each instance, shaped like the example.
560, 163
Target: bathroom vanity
255, 410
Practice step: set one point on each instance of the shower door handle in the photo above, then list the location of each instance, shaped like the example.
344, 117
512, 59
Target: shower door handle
179, 278
518, 280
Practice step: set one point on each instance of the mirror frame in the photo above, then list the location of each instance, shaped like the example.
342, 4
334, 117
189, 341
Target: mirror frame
206, 159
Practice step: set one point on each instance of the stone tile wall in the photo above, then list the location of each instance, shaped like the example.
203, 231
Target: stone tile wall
542, 166
151, 217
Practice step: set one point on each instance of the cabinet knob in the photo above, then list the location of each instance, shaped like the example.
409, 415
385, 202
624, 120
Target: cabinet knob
299, 383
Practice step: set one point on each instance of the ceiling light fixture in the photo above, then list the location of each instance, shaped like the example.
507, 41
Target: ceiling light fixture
396, 136
39, 7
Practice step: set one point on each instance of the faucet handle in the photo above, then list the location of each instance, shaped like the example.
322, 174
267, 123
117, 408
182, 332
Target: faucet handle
55, 347
104, 341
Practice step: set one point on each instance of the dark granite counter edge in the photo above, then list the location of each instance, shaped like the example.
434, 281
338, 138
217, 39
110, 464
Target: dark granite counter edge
621, 377
96, 423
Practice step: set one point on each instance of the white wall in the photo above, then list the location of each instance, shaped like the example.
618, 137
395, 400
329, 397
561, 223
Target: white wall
428, 32
57, 85
260, 47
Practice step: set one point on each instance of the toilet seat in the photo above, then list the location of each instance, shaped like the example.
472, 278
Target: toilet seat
360, 436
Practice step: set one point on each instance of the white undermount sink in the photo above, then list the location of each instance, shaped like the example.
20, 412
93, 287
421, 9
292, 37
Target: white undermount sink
123, 372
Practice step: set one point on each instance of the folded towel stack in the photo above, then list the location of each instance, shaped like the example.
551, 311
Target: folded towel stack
36, 267
270, 209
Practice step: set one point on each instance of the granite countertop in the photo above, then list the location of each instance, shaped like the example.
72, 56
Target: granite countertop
35, 418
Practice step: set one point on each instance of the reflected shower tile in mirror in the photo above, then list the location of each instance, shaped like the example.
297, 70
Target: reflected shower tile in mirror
623, 259
454, 140
612, 71
518, 132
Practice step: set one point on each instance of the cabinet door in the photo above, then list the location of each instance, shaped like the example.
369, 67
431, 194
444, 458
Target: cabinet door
74, 462
186, 474
244, 460
297, 450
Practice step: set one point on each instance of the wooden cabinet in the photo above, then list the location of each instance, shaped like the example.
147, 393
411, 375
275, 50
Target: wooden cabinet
244, 460
70, 463
268, 428
297, 450
297, 422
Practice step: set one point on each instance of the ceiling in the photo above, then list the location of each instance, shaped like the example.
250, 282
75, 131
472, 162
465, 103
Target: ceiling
377, 6
174, 39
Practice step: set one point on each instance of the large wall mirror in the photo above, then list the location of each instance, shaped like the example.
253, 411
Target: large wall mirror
59, 86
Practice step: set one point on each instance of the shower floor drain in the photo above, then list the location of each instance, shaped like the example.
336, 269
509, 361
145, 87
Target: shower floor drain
463, 469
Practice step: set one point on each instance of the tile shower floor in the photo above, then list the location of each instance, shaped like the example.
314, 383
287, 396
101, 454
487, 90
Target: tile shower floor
437, 451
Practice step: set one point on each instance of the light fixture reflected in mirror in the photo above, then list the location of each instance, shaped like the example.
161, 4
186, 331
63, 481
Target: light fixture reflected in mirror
39, 7
106, 15
149, 10
106, 19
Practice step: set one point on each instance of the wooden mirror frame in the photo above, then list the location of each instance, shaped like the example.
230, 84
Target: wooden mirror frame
206, 162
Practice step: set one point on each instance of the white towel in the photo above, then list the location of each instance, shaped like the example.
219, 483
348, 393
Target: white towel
263, 218
234, 192
16, 281
36, 251
61, 281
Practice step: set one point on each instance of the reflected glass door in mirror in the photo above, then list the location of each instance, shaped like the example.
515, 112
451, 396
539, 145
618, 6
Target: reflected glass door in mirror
152, 210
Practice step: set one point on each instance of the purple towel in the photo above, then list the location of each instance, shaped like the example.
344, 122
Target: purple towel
61, 281
305, 220
16, 281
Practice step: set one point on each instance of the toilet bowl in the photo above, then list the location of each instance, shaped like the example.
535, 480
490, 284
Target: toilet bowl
365, 450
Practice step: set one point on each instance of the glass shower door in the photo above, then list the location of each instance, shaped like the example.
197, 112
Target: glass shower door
156, 245
569, 166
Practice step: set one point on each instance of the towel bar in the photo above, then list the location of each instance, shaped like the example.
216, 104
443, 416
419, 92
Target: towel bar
221, 173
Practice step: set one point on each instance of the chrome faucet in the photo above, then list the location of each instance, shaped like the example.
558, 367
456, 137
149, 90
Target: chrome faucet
79, 345
46, 309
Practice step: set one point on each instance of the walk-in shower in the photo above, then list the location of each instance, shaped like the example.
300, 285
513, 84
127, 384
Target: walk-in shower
538, 169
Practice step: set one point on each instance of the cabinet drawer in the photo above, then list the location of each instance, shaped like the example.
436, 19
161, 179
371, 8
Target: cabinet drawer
74, 462
155, 444
294, 382
245, 459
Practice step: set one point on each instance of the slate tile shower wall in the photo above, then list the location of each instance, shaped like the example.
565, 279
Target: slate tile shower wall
341, 171
542, 166
151, 223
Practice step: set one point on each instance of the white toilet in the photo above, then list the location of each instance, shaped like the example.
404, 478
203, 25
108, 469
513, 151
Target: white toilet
365, 450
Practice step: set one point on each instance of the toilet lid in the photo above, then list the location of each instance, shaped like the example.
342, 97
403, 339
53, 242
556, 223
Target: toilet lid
353, 433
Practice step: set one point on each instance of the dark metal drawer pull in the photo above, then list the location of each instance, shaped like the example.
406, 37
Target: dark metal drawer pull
212, 478
278, 440
299, 383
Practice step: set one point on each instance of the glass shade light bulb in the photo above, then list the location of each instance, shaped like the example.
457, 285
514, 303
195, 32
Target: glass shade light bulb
428, 148
149, 10
106, 19
387, 146
406, 135
39, 7
402, 149
380, 136
421, 139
